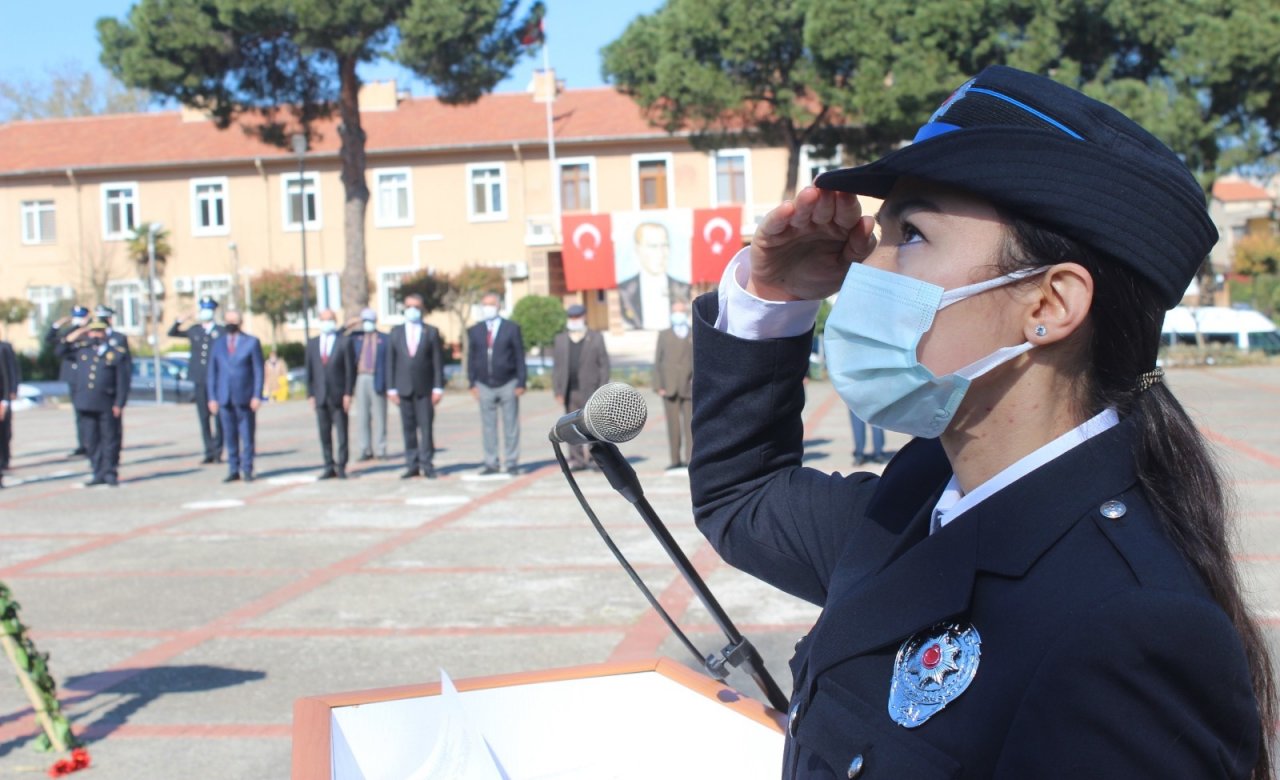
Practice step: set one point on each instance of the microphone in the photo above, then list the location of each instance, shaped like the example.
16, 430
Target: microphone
615, 413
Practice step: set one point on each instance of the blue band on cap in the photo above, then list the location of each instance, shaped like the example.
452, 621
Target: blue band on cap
933, 129
1030, 110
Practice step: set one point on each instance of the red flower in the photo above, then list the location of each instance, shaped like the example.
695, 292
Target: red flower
64, 766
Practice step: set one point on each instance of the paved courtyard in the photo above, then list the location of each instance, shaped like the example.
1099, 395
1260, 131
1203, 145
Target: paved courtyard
184, 616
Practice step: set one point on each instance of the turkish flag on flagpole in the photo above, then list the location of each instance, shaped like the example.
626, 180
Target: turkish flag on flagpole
717, 237
588, 252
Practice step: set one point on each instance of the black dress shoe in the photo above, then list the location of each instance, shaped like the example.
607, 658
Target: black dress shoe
488, 471
111, 482
342, 474
429, 472
513, 470
231, 478
366, 456
859, 460
577, 466
207, 459
78, 451
95, 482
410, 474
248, 476
328, 474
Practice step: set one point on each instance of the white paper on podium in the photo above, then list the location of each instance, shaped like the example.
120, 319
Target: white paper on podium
631, 726
460, 750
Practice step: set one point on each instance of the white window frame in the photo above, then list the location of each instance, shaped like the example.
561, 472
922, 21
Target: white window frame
34, 208
389, 311
714, 159
44, 299
218, 286
327, 286
212, 230
379, 220
133, 200
592, 179
665, 157
312, 179
124, 319
808, 160
489, 216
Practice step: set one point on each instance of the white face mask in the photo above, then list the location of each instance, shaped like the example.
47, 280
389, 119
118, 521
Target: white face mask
328, 326
871, 339
577, 325
489, 312
368, 326
413, 314
205, 315
679, 319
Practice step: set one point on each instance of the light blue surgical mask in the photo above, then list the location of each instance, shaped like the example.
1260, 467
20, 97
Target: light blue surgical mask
368, 326
328, 326
871, 339
679, 319
205, 315
413, 314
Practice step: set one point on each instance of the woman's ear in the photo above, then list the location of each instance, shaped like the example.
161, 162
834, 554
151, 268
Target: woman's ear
1058, 304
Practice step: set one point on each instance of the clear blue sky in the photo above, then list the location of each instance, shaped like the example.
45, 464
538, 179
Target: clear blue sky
41, 34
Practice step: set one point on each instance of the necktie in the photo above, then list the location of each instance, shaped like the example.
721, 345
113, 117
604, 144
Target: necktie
492, 327
231, 343
367, 354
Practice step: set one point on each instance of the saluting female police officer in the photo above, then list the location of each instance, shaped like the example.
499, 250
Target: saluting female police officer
1039, 585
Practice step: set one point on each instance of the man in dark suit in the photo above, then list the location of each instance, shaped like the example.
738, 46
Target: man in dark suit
496, 373
202, 337
53, 339
10, 360
235, 393
673, 379
581, 367
100, 390
415, 383
368, 355
330, 380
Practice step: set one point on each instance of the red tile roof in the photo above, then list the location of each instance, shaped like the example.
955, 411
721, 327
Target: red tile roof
1235, 190
131, 141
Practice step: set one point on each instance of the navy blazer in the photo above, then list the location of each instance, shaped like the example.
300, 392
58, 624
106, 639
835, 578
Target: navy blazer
508, 355
1102, 655
356, 341
235, 378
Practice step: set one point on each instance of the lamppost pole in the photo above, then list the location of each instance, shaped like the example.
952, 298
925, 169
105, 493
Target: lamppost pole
152, 229
300, 148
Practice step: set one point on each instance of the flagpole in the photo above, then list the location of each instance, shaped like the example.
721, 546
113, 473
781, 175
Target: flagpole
551, 138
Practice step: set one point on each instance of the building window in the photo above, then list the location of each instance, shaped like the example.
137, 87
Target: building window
653, 181
392, 198
325, 293
128, 298
48, 303
209, 207
38, 223
301, 196
577, 180
119, 210
812, 163
215, 287
731, 176
389, 306
488, 185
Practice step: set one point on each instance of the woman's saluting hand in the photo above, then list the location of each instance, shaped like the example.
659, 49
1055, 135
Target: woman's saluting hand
802, 249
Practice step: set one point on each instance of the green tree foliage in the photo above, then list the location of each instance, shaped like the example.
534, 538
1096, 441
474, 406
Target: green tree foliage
432, 287
138, 250
540, 318
1200, 75
283, 64
1256, 254
67, 90
276, 295
13, 311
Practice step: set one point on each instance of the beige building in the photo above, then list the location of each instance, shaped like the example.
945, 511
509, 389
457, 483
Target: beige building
450, 186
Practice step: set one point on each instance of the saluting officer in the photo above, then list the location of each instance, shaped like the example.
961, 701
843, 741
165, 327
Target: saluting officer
115, 338
201, 337
53, 339
100, 389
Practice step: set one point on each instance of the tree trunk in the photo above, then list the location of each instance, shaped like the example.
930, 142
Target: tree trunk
355, 276
793, 163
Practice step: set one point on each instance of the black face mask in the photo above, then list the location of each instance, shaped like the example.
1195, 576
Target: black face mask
232, 328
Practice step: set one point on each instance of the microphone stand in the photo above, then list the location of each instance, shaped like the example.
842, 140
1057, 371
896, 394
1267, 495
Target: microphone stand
739, 651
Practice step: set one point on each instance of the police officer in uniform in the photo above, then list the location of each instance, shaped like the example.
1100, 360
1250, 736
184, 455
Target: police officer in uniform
53, 339
1041, 583
202, 336
100, 392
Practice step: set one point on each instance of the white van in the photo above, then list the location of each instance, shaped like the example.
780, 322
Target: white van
1244, 328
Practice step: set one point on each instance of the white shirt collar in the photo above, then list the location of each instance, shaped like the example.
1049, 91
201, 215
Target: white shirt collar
955, 501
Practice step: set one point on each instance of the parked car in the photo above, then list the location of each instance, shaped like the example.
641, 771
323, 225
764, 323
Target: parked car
174, 382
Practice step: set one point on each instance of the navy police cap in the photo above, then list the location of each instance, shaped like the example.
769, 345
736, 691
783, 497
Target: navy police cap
79, 311
208, 303
1049, 154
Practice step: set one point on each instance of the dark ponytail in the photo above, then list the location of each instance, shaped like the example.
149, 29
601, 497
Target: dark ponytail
1178, 472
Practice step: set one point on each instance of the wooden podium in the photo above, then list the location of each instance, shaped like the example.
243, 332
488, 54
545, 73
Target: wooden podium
647, 719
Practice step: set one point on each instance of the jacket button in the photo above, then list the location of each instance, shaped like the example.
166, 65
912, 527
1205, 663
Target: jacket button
793, 718
855, 767
1113, 510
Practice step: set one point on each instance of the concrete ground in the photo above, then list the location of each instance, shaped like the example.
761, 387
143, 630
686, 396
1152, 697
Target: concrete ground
184, 616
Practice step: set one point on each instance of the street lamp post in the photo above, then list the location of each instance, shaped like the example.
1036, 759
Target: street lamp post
300, 148
152, 229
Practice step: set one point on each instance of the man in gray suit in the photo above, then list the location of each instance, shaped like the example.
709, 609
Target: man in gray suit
581, 367
673, 379
415, 383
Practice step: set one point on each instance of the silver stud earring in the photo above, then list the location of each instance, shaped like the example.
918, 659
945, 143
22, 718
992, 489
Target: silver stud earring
1042, 331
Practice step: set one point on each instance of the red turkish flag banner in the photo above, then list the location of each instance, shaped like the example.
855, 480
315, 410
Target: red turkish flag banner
717, 237
588, 252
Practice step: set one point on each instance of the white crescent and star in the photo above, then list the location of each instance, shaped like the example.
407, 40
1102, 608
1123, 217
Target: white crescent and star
586, 228
708, 232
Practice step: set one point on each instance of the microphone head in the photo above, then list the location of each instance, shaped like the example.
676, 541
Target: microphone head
615, 413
